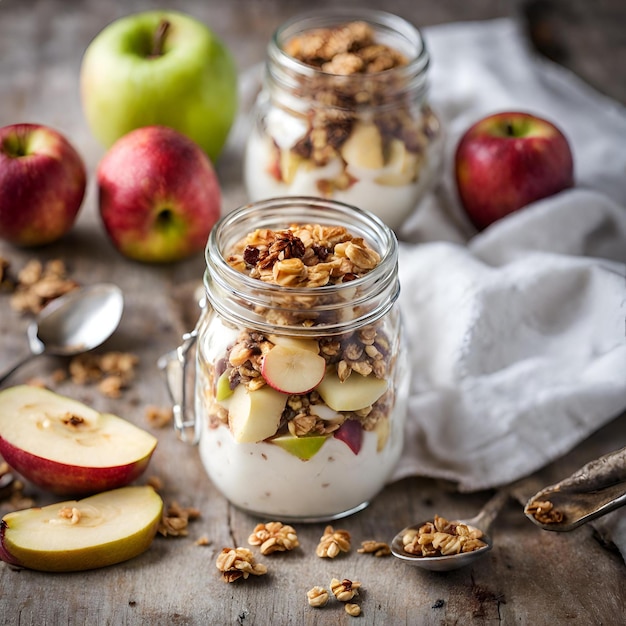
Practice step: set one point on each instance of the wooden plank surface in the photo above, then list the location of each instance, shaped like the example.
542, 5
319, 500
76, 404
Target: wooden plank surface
531, 577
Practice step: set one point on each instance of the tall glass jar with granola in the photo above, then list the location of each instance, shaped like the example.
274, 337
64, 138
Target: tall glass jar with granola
344, 114
301, 376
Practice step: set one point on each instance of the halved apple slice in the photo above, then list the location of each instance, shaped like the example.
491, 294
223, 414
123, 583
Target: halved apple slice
304, 448
101, 530
255, 415
354, 394
67, 447
292, 369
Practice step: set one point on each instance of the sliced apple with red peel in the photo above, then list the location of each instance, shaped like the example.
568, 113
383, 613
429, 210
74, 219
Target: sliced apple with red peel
292, 369
255, 415
100, 530
66, 447
304, 448
351, 433
295, 342
353, 394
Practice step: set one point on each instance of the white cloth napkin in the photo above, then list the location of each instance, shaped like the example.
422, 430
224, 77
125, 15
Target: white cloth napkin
518, 334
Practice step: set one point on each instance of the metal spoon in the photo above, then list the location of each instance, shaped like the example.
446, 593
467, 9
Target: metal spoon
592, 491
482, 521
76, 322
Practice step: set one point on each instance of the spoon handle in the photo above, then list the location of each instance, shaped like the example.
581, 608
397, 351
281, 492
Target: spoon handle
16, 366
490, 511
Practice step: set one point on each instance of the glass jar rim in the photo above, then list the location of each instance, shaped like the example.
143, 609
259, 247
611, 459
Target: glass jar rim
417, 64
275, 213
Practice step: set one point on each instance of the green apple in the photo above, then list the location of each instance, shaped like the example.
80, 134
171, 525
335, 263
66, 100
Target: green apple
67, 447
255, 415
223, 390
304, 448
101, 530
159, 68
353, 394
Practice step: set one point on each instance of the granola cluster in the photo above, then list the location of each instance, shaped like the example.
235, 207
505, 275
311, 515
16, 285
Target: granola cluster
273, 537
175, 520
344, 590
236, 563
333, 542
353, 75
441, 538
36, 284
544, 512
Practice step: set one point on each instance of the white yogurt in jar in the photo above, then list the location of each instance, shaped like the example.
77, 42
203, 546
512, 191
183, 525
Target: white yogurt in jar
391, 203
264, 479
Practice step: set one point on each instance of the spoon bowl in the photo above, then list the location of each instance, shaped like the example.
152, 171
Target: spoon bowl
74, 323
449, 562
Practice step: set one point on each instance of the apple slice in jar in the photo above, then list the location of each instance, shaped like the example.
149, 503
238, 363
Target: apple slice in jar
295, 342
255, 415
100, 530
351, 433
353, 394
291, 369
66, 447
304, 448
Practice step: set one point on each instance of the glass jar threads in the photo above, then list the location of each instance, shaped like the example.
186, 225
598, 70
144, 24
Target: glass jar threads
344, 114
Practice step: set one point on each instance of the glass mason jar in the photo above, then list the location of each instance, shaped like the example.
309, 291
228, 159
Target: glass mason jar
301, 384
356, 128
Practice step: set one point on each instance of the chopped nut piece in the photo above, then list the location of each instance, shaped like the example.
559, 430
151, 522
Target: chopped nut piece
175, 520
441, 537
344, 590
377, 548
333, 542
273, 537
203, 541
317, 596
236, 563
353, 609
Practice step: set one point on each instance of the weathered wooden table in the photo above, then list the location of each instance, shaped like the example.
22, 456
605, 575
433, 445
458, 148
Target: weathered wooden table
531, 577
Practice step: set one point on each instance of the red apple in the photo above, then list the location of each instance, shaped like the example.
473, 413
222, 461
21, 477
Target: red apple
508, 160
159, 195
42, 184
67, 447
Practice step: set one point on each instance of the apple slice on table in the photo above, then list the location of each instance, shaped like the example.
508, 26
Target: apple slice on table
304, 448
101, 530
255, 415
67, 447
353, 394
291, 369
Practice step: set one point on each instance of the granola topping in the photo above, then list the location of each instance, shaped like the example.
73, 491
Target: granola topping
442, 537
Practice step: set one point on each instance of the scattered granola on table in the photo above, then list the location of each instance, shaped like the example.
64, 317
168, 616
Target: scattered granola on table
345, 590
112, 371
38, 284
441, 538
317, 596
159, 417
273, 537
175, 520
333, 542
377, 548
236, 563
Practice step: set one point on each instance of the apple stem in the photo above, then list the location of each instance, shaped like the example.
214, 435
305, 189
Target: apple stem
159, 39
509, 129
